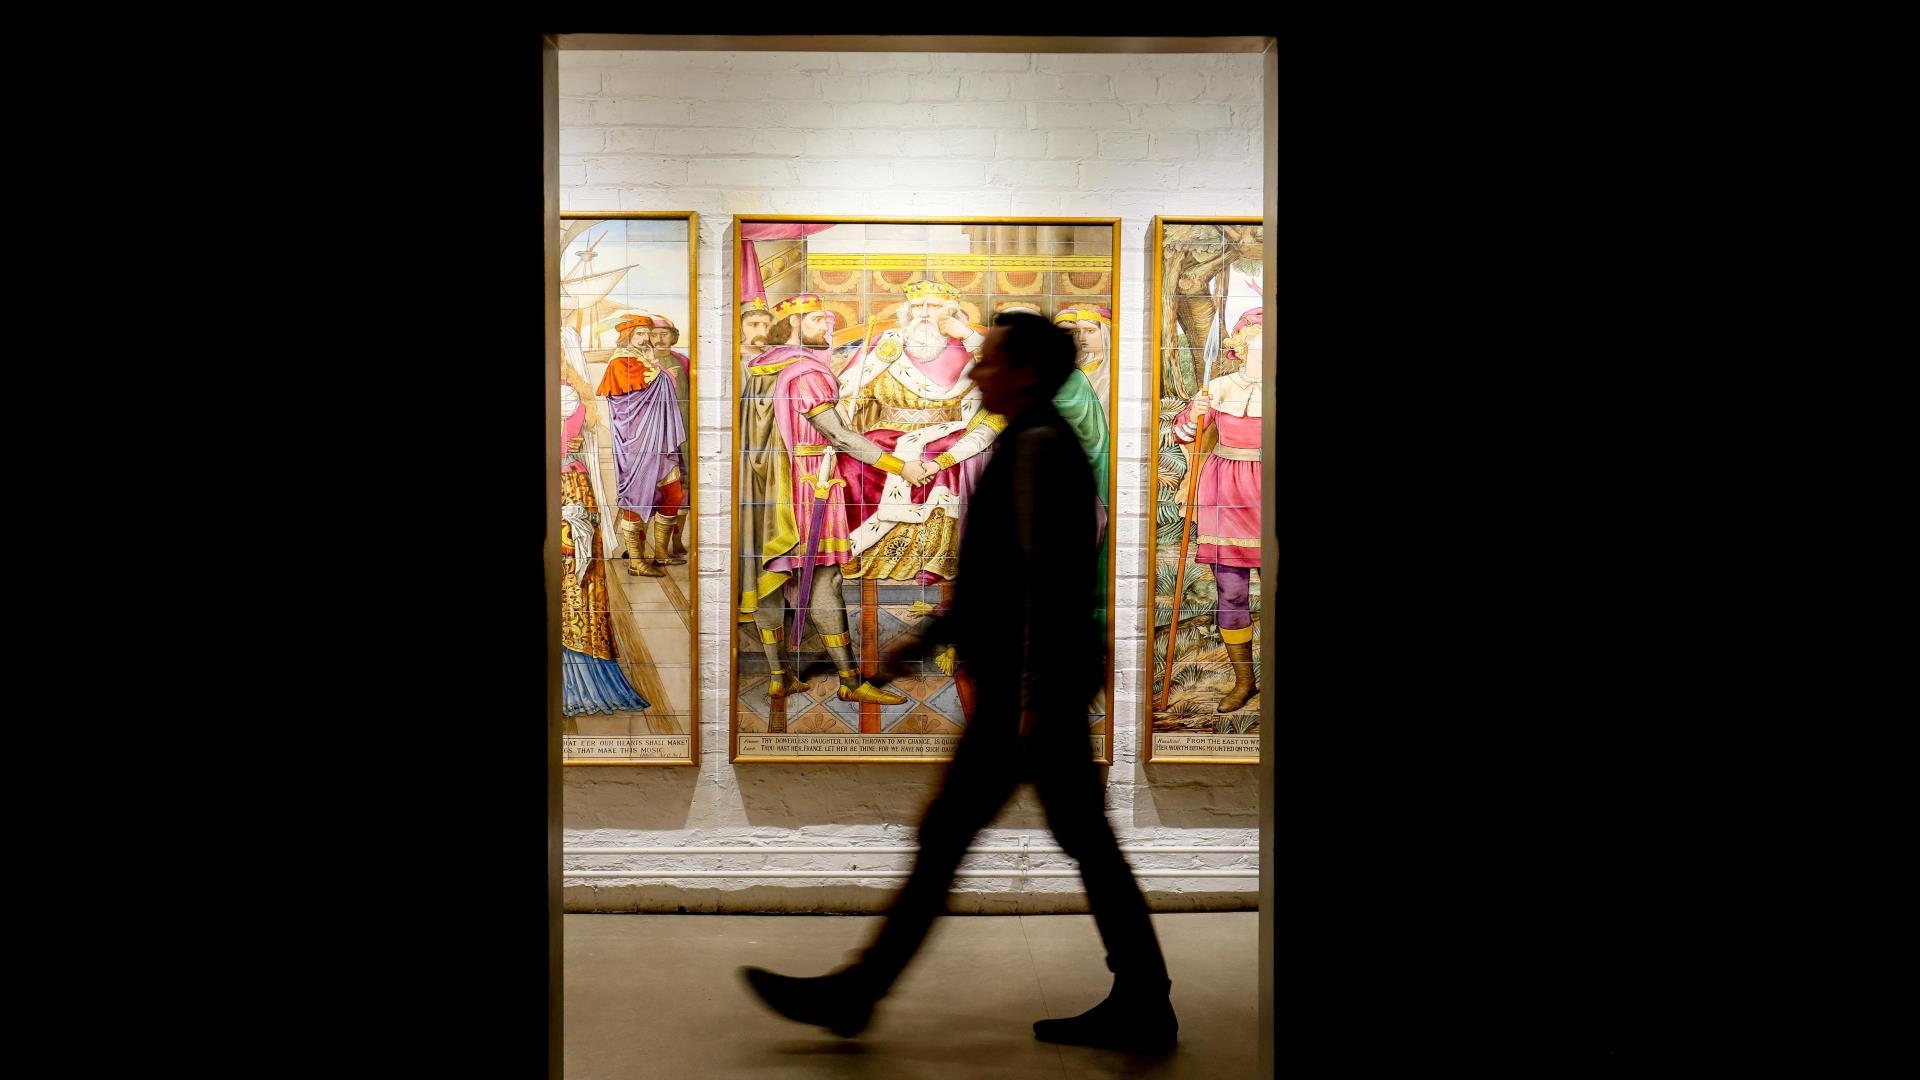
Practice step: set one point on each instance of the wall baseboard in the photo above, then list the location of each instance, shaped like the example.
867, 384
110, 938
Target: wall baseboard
857, 900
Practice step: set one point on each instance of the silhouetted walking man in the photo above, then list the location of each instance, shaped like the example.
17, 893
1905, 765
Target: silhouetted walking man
1028, 561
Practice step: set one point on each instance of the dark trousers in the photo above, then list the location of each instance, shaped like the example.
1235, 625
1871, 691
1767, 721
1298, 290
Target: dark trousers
989, 763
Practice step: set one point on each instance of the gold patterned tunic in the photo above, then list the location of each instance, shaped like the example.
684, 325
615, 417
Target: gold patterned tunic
585, 625
907, 532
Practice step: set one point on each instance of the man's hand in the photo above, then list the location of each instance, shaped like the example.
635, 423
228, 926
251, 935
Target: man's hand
955, 327
1201, 403
918, 472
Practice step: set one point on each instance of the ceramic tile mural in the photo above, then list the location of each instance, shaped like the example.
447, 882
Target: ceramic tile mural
857, 440
1203, 701
628, 534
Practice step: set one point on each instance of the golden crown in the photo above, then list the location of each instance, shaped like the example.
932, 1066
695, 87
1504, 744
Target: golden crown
920, 290
796, 305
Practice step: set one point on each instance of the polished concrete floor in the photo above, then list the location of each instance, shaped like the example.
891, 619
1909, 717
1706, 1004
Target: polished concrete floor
659, 996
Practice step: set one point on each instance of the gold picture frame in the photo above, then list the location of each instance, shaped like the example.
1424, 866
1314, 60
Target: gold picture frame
1192, 666
631, 692
890, 575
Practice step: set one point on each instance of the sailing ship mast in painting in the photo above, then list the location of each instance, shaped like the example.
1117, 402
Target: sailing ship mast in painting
587, 288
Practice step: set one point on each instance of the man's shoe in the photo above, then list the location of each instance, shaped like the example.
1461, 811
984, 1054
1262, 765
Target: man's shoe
830, 1001
1136, 1021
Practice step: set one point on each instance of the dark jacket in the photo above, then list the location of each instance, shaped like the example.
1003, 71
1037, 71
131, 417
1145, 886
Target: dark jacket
1022, 618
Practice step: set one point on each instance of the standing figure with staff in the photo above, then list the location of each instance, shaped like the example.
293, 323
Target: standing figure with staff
1220, 501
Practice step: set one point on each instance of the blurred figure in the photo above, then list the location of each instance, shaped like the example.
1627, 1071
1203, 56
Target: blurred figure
1028, 558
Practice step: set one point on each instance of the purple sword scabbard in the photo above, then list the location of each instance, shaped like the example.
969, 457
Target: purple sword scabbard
812, 557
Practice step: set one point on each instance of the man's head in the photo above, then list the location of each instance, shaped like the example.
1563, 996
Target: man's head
665, 334
923, 316
755, 320
927, 310
1091, 327
636, 333
1025, 358
801, 319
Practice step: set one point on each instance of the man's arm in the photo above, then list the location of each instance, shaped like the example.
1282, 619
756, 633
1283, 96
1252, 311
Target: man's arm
816, 395
843, 438
981, 431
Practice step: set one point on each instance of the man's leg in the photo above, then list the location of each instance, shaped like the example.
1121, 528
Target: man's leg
770, 622
977, 785
1068, 783
1137, 1015
633, 536
828, 610
669, 511
680, 536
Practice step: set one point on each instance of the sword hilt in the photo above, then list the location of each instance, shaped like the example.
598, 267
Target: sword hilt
820, 490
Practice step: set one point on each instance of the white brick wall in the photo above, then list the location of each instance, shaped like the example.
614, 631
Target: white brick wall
1183, 86
1073, 141
1123, 145
1173, 146
985, 87
1020, 144
609, 111
903, 133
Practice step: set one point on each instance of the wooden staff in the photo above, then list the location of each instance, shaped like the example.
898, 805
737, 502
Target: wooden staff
1180, 573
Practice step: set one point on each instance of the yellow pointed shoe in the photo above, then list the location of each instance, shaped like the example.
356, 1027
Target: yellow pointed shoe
783, 684
869, 693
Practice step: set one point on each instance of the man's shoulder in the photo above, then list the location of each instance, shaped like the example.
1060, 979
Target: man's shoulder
620, 373
796, 364
786, 354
